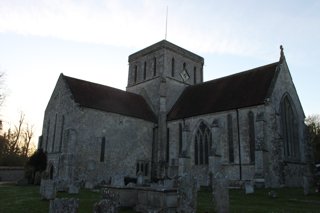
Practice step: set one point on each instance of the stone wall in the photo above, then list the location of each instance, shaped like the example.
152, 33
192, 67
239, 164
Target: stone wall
11, 173
74, 143
217, 123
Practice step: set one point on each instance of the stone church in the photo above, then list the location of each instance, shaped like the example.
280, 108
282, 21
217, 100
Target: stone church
249, 125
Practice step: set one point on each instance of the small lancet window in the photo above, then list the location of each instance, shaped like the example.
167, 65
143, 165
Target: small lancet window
102, 149
180, 138
195, 75
230, 139
251, 136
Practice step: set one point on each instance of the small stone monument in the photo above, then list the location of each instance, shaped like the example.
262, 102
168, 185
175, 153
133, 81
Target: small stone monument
73, 188
187, 194
109, 204
306, 185
117, 180
249, 187
47, 189
140, 179
64, 205
88, 185
220, 192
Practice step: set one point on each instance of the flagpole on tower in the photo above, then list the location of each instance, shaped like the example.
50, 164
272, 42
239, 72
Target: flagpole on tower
165, 37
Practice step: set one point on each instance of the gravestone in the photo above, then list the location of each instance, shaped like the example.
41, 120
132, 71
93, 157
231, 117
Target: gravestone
306, 185
88, 185
220, 192
73, 189
140, 179
47, 189
117, 180
64, 205
109, 204
187, 194
249, 187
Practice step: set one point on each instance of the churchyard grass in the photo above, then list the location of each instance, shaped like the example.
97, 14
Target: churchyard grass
18, 199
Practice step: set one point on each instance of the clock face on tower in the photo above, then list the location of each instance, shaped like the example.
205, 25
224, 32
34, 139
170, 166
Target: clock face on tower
184, 75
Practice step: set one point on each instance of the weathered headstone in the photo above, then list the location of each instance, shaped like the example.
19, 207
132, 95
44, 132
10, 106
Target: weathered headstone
272, 194
187, 194
220, 192
140, 179
73, 189
88, 185
117, 180
109, 203
64, 205
306, 185
47, 189
249, 187
168, 183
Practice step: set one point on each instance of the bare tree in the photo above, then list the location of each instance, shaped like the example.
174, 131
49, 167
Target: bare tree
313, 124
15, 137
2, 88
27, 137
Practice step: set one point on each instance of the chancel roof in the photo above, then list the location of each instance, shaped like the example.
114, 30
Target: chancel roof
236, 91
100, 97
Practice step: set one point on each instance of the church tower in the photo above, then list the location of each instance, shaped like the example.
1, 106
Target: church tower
160, 73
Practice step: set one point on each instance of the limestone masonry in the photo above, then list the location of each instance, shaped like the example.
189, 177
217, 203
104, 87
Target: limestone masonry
169, 122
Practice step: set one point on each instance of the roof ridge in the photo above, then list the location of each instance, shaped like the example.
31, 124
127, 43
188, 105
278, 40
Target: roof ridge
109, 99
236, 74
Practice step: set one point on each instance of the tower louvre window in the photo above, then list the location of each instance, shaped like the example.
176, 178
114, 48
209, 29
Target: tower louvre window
135, 73
145, 71
154, 66
172, 67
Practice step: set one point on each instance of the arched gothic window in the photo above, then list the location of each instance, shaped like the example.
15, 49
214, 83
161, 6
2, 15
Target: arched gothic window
202, 145
289, 129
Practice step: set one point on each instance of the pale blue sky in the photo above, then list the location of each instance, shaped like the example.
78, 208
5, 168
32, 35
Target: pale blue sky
91, 40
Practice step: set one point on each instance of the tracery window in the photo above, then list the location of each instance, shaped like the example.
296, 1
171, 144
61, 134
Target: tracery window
202, 145
289, 129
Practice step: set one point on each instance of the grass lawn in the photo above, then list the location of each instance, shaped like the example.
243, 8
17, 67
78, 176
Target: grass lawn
18, 199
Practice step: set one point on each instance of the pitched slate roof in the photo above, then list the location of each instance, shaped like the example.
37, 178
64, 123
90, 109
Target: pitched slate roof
240, 90
100, 97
